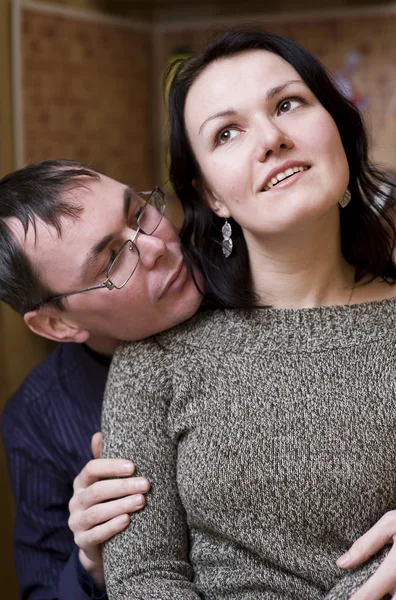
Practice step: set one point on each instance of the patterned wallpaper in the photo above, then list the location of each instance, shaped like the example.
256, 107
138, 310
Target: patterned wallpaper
360, 50
88, 85
86, 94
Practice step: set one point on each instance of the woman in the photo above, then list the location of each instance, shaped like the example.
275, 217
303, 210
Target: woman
267, 433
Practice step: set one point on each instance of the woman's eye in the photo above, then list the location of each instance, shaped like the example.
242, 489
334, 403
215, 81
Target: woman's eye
225, 135
288, 105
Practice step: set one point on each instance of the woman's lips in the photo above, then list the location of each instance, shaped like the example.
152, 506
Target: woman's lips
287, 181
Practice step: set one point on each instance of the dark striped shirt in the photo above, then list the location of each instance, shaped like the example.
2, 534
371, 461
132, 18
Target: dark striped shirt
47, 428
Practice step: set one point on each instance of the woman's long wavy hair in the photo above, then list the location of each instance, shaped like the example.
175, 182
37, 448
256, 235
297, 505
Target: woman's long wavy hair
367, 223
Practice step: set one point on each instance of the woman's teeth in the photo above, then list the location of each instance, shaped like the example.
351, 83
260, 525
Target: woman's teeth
283, 175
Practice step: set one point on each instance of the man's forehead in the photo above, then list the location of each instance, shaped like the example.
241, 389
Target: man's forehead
37, 235
56, 257
17, 229
106, 192
90, 197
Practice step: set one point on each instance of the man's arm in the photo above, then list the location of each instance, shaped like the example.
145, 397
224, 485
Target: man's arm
48, 563
100, 507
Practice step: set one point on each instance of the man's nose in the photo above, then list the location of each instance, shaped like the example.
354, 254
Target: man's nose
151, 249
270, 139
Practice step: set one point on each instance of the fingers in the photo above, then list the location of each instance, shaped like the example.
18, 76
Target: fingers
86, 540
102, 468
114, 488
96, 444
82, 521
102, 491
383, 581
371, 542
102, 509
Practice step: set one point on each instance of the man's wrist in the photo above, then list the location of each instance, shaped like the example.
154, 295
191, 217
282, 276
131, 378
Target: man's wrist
93, 570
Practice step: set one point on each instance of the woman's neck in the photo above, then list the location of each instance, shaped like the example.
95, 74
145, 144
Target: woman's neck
302, 270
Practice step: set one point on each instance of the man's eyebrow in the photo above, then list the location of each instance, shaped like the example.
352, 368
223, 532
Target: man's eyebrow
98, 248
229, 112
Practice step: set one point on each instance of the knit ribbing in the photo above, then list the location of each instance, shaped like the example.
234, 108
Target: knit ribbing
268, 437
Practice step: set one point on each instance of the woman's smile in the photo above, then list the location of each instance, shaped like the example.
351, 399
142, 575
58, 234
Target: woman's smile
285, 175
264, 137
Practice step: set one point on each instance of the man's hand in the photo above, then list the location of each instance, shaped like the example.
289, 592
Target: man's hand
383, 581
100, 509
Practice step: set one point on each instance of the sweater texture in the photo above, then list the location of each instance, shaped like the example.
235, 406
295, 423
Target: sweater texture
268, 437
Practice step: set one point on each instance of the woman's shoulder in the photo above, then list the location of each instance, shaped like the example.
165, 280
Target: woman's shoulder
152, 363
375, 291
203, 326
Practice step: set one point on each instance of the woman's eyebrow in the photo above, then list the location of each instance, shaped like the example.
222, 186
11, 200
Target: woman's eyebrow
279, 88
229, 112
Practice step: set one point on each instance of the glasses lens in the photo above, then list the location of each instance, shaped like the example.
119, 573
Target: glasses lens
152, 215
124, 265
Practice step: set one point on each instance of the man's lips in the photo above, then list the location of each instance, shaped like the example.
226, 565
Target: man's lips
177, 277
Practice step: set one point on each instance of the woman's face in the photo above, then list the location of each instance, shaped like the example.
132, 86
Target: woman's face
270, 154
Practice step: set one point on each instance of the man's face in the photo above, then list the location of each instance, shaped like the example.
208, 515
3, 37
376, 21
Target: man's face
160, 294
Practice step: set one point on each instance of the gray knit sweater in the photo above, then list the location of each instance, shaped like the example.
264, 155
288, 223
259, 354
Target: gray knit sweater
269, 440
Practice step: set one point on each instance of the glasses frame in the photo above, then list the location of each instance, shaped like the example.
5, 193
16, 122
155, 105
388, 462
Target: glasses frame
107, 283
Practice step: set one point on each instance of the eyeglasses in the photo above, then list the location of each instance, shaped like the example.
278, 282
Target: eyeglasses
125, 262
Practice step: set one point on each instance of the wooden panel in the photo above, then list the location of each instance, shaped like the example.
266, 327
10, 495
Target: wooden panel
8, 577
365, 45
162, 11
86, 94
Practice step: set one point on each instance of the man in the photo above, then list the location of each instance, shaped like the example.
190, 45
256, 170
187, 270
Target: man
86, 260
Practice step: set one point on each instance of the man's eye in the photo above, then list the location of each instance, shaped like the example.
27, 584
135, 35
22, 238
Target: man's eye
225, 135
109, 262
134, 218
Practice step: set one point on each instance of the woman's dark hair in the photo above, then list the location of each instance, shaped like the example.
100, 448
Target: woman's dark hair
367, 223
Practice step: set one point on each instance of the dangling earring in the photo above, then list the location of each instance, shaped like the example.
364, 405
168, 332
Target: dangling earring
345, 200
226, 244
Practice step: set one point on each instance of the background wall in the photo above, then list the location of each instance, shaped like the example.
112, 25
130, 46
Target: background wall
16, 354
359, 48
83, 91
86, 93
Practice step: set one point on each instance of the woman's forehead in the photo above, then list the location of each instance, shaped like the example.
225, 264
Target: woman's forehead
233, 78
255, 63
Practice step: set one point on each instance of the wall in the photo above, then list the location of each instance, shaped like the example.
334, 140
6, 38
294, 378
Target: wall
8, 322
361, 41
85, 93
82, 92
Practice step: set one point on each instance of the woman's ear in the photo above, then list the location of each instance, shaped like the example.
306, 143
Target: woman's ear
55, 326
213, 200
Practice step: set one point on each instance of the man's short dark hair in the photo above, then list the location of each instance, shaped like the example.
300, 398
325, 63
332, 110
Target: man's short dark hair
31, 194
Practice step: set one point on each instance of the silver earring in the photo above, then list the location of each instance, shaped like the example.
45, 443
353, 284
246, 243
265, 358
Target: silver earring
226, 244
345, 200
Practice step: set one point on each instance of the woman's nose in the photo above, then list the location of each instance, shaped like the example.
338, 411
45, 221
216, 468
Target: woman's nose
270, 139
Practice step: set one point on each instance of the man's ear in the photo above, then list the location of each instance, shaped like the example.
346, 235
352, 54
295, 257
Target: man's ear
55, 326
212, 199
